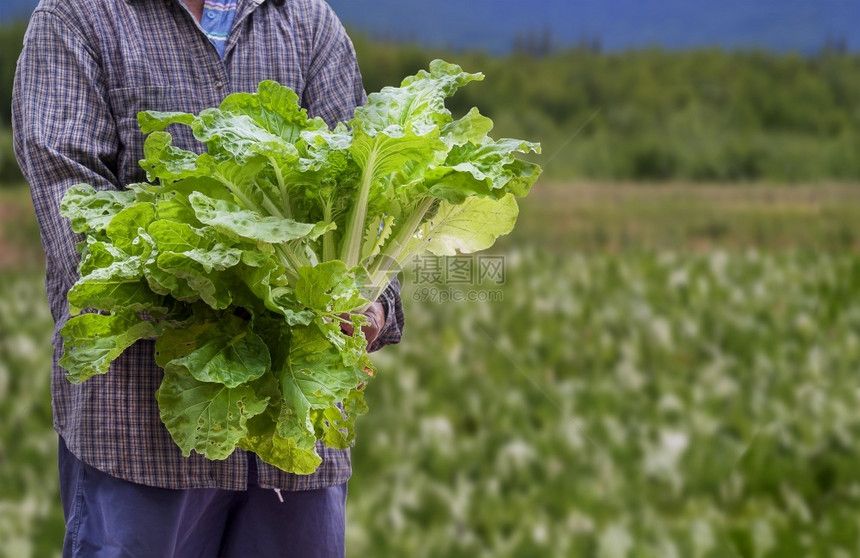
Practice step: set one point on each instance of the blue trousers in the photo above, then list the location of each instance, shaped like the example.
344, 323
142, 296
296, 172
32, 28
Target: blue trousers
111, 518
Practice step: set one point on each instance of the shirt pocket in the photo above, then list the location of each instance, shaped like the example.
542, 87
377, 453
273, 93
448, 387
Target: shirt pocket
127, 102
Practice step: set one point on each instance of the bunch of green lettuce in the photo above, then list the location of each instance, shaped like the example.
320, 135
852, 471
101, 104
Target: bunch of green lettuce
244, 260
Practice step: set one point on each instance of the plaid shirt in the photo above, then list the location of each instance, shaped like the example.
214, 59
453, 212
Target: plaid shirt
87, 68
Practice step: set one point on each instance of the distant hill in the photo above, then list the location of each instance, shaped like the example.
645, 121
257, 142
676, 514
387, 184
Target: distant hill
495, 25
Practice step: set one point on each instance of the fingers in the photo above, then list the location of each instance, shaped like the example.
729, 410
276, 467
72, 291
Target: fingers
374, 315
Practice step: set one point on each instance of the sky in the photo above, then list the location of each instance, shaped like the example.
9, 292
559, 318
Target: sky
784, 25
800, 25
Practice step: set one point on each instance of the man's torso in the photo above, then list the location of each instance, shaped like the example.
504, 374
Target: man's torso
152, 55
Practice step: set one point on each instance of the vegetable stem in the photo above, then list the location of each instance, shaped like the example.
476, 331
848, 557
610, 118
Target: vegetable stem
328, 236
285, 197
246, 200
351, 249
271, 207
390, 261
288, 260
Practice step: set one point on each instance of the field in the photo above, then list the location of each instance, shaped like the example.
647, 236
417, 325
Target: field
665, 371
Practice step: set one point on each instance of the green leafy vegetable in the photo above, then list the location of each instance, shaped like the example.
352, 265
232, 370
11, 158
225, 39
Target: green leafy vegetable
243, 261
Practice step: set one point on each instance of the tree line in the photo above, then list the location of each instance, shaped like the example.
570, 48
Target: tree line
702, 115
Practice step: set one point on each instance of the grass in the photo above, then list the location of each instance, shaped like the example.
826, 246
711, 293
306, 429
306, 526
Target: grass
621, 405
613, 217
618, 217
670, 372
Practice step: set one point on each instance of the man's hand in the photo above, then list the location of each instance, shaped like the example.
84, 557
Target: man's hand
376, 315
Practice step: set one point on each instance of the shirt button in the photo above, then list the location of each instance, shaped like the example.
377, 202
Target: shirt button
219, 85
210, 15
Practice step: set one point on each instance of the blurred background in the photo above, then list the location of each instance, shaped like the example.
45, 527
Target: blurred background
656, 363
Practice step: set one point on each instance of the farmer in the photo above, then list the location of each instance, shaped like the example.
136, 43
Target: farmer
87, 68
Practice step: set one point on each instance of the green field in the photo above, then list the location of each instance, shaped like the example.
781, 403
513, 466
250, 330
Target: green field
652, 217
668, 373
